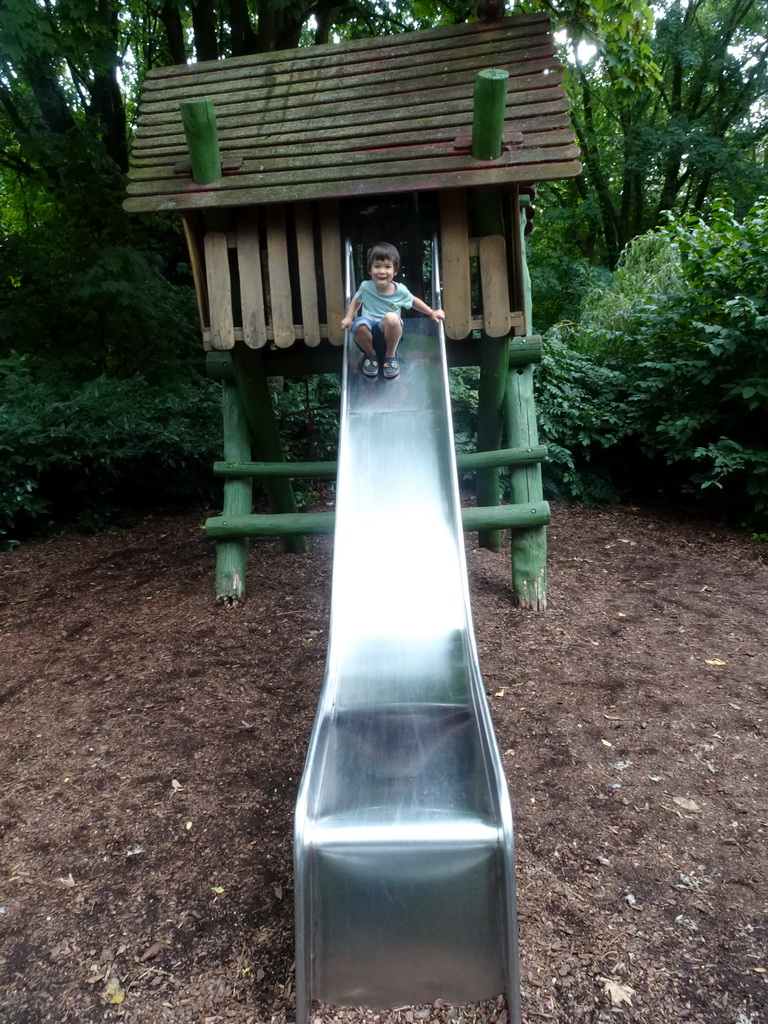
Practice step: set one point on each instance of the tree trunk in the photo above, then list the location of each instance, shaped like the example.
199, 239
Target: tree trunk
174, 32
204, 28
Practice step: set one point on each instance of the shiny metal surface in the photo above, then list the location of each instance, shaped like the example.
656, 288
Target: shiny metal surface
403, 841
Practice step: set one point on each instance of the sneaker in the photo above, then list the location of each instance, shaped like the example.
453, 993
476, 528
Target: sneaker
391, 367
370, 367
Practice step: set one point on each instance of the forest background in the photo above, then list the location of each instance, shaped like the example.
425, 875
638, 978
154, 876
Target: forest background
650, 271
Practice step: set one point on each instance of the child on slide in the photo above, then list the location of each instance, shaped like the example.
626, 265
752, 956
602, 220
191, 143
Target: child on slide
379, 329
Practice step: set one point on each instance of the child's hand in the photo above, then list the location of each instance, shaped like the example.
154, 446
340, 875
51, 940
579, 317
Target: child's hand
438, 314
346, 323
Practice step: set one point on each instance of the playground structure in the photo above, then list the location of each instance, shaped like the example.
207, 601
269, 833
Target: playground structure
273, 159
403, 843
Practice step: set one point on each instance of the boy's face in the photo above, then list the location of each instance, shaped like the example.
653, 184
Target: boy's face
382, 273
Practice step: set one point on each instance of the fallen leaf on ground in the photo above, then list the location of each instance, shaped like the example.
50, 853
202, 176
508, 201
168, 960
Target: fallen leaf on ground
152, 952
686, 804
715, 661
617, 993
113, 993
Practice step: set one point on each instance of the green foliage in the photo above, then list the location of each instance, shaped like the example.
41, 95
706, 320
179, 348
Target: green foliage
80, 453
464, 382
580, 406
680, 340
307, 410
699, 135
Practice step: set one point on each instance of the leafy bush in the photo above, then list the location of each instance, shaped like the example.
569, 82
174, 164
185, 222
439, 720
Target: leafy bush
80, 453
680, 340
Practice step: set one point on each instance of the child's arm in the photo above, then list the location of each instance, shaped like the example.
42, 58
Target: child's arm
354, 305
435, 314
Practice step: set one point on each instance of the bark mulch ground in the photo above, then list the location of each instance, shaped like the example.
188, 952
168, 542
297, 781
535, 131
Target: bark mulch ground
152, 744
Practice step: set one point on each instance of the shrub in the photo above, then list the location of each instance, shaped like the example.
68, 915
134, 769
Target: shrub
683, 328
80, 453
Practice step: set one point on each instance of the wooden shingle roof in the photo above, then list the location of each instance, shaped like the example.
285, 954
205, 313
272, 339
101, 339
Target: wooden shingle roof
367, 117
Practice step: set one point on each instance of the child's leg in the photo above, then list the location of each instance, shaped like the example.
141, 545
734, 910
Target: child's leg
364, 340
392, 327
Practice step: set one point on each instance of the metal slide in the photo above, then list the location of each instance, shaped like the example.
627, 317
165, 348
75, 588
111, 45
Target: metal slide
404, 866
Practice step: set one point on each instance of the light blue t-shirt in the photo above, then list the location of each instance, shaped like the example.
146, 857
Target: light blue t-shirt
376, 304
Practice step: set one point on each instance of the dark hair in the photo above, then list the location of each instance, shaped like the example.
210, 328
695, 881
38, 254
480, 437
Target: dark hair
383, 251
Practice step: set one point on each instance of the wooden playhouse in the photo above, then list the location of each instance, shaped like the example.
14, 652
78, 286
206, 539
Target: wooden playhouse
273, 160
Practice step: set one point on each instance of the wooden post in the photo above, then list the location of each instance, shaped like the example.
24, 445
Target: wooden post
529, 546
257, 403
487, 129
232, 555
490, 101
199, 121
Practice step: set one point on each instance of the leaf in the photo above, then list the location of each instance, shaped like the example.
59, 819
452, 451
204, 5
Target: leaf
685, 803
218, 889
113, 993
176, 785
617, 993
606, 743
715, 661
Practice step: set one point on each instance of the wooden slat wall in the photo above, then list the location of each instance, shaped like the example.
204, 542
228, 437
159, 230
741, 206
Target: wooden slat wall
499, 314
298, 125
278, 267
454, 263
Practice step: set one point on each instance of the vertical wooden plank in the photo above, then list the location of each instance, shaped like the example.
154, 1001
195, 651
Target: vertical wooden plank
333, 282
305, 245
279, 278
494, 286
219, 290
454, 263
516, 258
251, 285
191, 224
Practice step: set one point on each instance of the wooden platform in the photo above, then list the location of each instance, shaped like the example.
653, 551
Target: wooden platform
367, 117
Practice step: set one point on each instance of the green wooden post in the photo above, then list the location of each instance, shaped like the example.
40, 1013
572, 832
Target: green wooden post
232, 555
199, 121
529, 546
487, 130
257, 403
490, 99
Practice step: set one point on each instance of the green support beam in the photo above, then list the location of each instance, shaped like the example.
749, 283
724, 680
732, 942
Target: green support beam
232, 554
466, 462
529, 546
497, 516
257, 402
